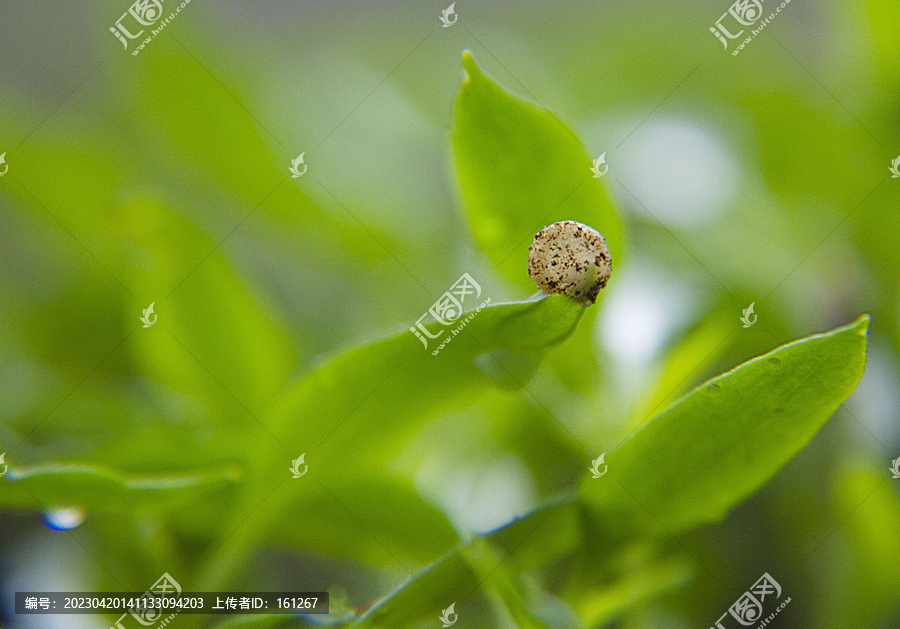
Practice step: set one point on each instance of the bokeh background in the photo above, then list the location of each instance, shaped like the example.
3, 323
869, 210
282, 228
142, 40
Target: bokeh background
162, 177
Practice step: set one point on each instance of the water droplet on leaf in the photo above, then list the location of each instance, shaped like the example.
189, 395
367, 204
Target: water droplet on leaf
63, 518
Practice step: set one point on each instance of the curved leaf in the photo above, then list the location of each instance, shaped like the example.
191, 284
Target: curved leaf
99, 489
687, 467
710, 451
398, 378
521, 168
354, 412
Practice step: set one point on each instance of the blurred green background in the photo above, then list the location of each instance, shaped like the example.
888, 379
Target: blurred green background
163, 177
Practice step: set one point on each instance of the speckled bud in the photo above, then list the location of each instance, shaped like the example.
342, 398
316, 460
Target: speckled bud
569, 258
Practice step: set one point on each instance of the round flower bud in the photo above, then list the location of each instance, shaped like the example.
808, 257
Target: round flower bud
569, 258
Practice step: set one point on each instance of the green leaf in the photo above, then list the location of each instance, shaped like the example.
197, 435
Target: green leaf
867, 505
521, 168
707, 453
358, 410
398, 378
200, 125
212, 338
424, 595
490, 560
517, 595
410, 530
457, 578
698, 348
688, 466
98, 489
639, 587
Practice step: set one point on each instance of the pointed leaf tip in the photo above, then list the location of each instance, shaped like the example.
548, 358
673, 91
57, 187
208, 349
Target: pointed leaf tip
862, 324
470, 65
503, 144
753, 420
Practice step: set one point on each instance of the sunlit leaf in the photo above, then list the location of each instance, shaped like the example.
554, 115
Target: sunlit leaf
687, 467
708, 452
402, 382
357, 410
521, 168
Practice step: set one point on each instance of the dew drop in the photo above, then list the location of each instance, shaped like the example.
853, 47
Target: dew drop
63, 518
775, 361
713, 387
